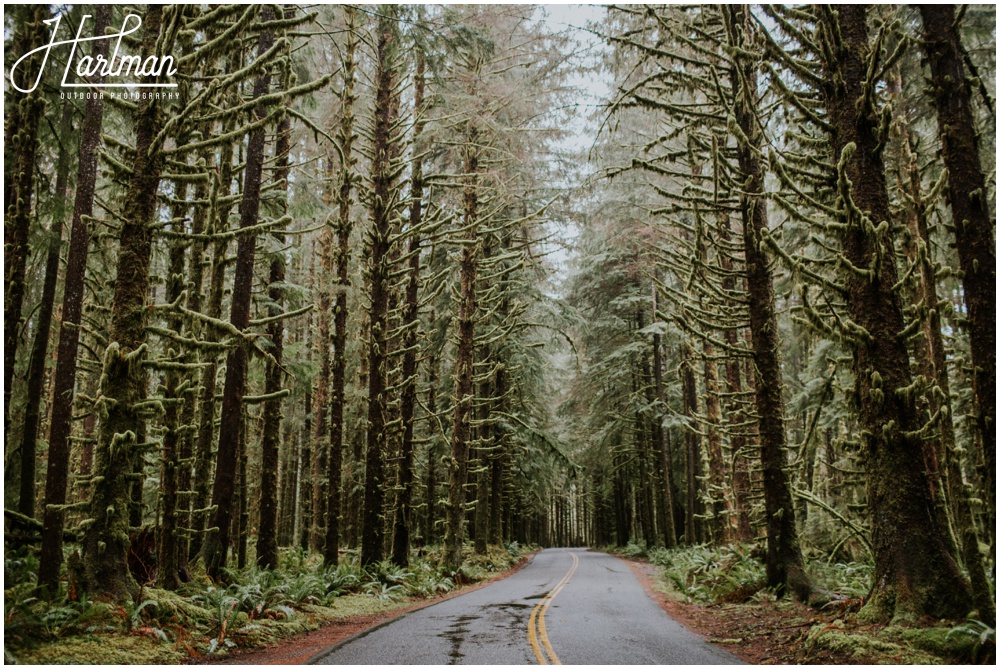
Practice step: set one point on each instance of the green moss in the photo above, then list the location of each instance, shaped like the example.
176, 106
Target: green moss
939, 641
864, 647
363, 605
172, 608
103, 649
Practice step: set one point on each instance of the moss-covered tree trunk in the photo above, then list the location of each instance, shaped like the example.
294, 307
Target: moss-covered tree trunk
106, 538
267, 531
218, 223
932, 364
736, 412
20, 151
915, 574
784, 566
718, 488
216, 543
338, 370
379, 248
458, 469
430, 487
69, 334
499, 460
404, 481
187, 455
304, 495
693, 507
662, 438
321, 389
167, 540
973, 226
40, 345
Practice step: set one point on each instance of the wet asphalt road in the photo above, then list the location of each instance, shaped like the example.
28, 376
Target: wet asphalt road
599, 615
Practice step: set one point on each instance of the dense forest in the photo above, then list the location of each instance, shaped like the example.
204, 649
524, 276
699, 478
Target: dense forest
341, 280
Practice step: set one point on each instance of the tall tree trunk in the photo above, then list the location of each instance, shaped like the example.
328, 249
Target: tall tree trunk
242, 516
662, 439
106, 539
430, 529
721, 527
167, 558
40, 346
193, 404
267, 533
971, 220
784, 565
914, 573
641, 384
458, 469
693, 532
216, 544
620, 497
736, 413
498, 463
933, 365
401, 526
19, 156
219, 223
383, 158
480, 455
343, 259
304, 494
321, 392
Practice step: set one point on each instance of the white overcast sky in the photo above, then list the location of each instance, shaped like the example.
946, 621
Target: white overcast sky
593, 88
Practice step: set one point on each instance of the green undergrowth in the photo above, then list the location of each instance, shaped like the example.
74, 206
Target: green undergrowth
730, 580
970, 641
252, 607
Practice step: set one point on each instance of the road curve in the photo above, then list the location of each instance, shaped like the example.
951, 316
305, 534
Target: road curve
567, 606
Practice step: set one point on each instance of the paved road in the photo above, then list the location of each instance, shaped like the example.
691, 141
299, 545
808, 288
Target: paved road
567, 606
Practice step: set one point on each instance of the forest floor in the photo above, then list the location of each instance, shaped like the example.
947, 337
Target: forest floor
258, 619
768, 631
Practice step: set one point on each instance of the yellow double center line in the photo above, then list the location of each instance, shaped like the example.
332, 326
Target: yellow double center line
537, 636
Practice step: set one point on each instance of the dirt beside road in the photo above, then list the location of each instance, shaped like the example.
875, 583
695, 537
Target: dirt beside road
767, 636
769, 631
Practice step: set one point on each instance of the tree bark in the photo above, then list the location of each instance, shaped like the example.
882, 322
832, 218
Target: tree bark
321, 392
663, 440
403, 517
736, 413
216, 544
19, 157
106, 539
40, 346
971, 220
209, 376
430, 528
339, 370
721, 528
458, 469
267, 532
383, 195
932, 363
914, 573
693, 525
167, 550
784, 565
